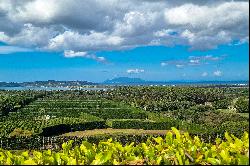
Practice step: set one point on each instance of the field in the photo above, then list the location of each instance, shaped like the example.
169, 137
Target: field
46, 119
110, 131
49, 117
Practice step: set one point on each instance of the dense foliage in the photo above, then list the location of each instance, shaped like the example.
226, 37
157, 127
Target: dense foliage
211, 108
12, 101
49, 116
242, 105
166, 98
207, 111
174, 149
222, 104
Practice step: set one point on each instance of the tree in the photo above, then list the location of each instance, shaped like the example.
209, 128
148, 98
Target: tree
222, 104
242, 105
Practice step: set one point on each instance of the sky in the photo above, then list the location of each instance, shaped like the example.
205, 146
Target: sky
96, 40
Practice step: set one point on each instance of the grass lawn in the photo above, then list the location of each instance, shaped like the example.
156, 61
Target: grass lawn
110, 131
244, 114
227, 111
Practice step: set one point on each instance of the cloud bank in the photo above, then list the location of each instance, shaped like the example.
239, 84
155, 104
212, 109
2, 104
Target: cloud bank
94, 25
12, 49
193, 61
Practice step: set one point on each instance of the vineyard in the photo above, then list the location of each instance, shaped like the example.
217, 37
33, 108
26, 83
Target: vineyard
46, 116
40, 120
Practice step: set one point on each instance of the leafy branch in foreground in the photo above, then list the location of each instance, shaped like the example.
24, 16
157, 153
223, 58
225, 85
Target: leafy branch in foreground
175, 149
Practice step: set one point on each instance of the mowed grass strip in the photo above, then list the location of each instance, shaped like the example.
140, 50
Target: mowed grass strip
110, 131
230, 111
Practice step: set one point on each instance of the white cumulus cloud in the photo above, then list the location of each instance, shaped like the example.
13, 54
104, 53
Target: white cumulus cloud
217, 73
91, 25
135, 71
72, 54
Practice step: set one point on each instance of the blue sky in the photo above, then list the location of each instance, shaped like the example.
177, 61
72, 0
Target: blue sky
31, 66
99, 40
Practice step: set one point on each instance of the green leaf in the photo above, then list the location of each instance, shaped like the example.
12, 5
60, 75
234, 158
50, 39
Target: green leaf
115, 162
97, 160
217, 141
169, 138
225, 156
158, 140
158, 160
25, 154
57, 158
29, 162
243, 160
177, 133
9, 161
64, 145
213, 161
179, 158
228, 137
72, 161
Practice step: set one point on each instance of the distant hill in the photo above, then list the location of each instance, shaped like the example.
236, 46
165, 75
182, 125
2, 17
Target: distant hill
53, 83
124, 80
49, 83
10, 84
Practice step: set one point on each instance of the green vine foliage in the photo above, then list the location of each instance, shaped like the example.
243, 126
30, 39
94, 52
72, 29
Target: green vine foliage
176, 148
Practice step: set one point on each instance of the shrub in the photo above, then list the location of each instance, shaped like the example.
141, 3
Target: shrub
202, 108
20, 132
174, 149
236, 128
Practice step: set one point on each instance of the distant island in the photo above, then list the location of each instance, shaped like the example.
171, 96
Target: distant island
124, 80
